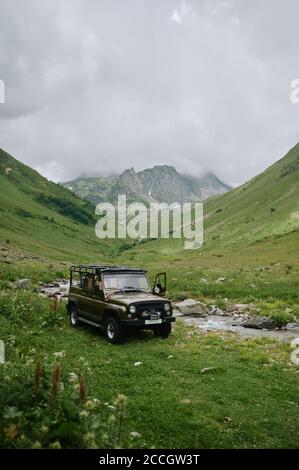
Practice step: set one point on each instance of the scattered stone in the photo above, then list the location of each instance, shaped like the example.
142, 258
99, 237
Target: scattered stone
22, 284
135, 435
220, 280
204, 281
192, 307
207, 370
260, 323
227, 419
137, 364
185, 401
213, 310
242, 307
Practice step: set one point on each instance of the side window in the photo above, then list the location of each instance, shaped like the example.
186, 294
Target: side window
98, 283
86, 281
76, 282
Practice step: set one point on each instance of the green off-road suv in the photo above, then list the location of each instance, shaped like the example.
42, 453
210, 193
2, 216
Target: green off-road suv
118, 299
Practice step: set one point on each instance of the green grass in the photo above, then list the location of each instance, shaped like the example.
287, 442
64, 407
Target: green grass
45, 219
248, 399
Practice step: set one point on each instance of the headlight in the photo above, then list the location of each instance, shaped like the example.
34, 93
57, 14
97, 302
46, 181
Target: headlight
132, 309
166, 307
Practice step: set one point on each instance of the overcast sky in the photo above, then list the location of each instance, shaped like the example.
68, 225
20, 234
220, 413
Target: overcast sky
103, 85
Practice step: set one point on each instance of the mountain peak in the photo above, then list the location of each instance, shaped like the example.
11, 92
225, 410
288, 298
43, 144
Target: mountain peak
161, 183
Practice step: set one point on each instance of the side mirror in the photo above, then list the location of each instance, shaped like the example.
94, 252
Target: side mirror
160, 284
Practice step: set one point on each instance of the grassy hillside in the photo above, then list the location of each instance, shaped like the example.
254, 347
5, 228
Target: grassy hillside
267, 207
251, 239
45, 219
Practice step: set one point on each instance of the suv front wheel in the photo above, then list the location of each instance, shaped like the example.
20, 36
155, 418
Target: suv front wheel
163, 331
113, 330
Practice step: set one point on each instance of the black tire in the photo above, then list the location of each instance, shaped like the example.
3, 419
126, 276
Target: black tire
113, 330
163, 331
73, 316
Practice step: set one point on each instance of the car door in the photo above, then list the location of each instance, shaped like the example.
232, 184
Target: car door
160, 286
85, 301
97, 302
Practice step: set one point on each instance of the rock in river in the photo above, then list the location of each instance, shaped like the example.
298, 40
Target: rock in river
192, 307
22, 284
255, 321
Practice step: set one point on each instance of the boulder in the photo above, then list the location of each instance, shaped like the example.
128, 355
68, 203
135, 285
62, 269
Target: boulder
292, 326
22, 284
192, 307
255, 321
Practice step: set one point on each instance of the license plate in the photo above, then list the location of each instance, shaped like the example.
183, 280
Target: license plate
152, 322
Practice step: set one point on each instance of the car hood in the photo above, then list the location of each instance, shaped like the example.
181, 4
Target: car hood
132, 297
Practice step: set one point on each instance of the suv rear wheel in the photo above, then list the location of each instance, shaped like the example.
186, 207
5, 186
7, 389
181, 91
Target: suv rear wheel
113, 330
163, 331
73, 314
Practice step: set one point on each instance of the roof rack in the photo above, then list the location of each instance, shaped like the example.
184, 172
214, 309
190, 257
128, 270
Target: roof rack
104, 267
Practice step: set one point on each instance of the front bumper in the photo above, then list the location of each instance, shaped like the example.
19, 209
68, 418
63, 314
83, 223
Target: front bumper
140, 322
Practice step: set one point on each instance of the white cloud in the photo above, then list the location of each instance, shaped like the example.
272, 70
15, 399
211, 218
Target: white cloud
183, 12
103, 86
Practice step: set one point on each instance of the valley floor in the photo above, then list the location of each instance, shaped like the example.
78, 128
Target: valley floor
194, 390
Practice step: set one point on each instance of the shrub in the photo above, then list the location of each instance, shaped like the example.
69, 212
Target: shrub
42, 408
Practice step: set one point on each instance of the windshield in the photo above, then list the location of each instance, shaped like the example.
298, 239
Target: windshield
126, 281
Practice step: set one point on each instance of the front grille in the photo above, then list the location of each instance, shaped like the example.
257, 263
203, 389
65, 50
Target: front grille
149, 308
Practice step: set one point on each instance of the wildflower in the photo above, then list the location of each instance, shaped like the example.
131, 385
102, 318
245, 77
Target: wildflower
37, 377
59, 354
84, 413
121, 398
82, 388
55, 382
95, 400
90, 404
112, 419
12, 431
89, 436
137, 363
44, 429
73, 377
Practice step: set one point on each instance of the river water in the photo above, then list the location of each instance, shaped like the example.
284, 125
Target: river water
220, 323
